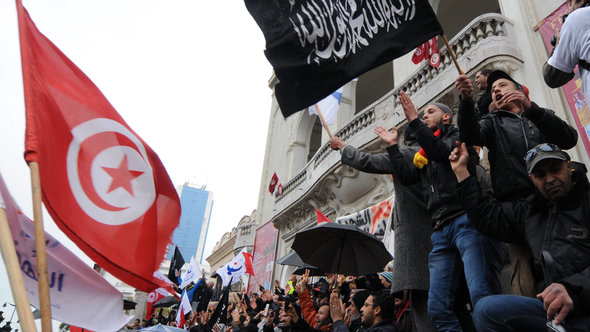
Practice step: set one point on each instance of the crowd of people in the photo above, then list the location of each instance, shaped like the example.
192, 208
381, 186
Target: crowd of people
457, 224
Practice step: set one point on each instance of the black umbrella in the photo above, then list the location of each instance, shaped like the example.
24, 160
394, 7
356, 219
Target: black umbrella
314, 272
341, 248
294, 260
128, 304
166, 301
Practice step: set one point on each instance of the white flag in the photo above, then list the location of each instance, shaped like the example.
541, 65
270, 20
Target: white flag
185, 308
328, 106
235, 268
79, 295
192, 274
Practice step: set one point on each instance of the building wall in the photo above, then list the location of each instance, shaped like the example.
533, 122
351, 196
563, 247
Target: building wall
504, 39
191, 233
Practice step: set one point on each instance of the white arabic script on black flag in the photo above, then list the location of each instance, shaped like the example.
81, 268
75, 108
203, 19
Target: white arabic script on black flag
316, 46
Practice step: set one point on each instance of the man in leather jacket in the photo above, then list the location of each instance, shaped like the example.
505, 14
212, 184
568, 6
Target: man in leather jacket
554, 224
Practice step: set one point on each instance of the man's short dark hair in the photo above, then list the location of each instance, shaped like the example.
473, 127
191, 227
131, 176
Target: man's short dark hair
485, 72
386, 302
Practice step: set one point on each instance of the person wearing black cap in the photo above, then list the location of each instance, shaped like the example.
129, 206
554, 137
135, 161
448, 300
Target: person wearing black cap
554, 224
457, 247
509, 132
411, 222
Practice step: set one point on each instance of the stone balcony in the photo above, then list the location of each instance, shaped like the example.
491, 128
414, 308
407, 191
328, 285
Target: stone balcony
488, 38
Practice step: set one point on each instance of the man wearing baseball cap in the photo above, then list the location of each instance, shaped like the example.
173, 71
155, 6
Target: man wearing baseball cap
509, 131
555, 224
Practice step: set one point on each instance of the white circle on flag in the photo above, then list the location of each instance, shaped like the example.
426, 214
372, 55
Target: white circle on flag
435, 59
120, 204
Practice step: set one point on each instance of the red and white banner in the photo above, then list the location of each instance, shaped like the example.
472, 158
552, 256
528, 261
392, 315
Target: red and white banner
375, 219
263, 260
102, 184
79, 295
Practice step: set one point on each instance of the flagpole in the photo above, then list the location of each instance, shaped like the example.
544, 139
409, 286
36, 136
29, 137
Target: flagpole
323, 120
40, 249
15, 277
444, 37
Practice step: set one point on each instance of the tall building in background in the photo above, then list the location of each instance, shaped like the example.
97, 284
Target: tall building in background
191, 233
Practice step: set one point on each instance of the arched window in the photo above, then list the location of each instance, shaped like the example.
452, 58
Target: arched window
315, 139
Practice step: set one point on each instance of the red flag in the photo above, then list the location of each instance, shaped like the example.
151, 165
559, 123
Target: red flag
78, 329
429, 52
152, 298
248, 258
102, 184
273, 183
418, 54
280, 189
434, 59
321, 217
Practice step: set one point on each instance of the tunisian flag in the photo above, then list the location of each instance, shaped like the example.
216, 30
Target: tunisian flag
102, 184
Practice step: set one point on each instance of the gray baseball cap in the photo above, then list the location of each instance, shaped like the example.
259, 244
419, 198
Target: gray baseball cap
541, 152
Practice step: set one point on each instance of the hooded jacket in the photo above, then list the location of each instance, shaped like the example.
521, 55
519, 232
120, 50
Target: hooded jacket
508, 137
561, 229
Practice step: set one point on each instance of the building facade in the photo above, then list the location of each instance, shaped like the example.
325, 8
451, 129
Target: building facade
494, 34
191, 233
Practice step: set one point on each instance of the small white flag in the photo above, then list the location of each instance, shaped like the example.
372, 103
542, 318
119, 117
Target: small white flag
328, 106
185, 308
192, 274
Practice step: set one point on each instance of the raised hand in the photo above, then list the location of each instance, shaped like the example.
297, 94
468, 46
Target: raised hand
386, 136
336, 143
410, 110
336, 306
463, 84
458, 159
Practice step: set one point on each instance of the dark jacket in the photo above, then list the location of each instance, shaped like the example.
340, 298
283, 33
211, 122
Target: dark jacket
561, 229
508, 137
437, 178
484, 99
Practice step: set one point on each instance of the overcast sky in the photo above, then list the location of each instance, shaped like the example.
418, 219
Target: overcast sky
189, 77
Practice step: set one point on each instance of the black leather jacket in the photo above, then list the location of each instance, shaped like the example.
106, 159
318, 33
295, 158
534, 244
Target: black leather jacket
561, 229
437, 178
508, 137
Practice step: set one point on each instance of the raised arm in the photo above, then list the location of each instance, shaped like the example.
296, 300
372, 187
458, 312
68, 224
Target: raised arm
407, 174
503, 221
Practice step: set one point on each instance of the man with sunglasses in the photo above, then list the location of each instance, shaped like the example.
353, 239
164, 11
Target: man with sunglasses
554, 223
572, 48
509, 132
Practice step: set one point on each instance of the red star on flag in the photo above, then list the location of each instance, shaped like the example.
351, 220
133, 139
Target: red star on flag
122, 176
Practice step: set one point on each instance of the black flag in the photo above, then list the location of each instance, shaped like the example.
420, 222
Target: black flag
220, 312
317, 46
176, 264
